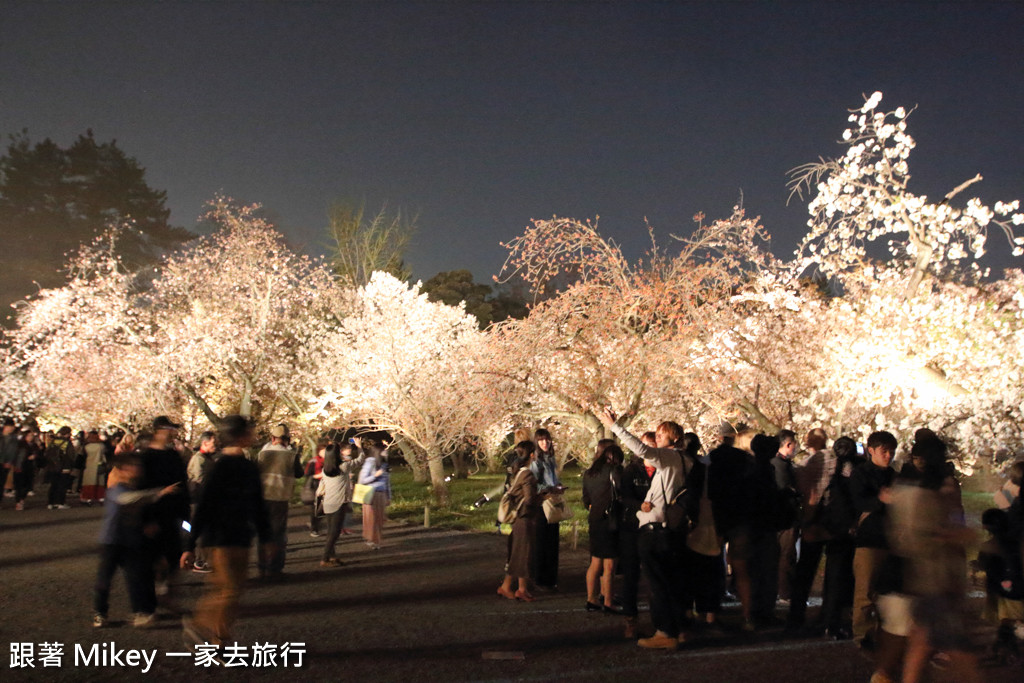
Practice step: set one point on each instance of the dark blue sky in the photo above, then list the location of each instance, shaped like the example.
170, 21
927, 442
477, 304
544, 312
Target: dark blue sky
479, 116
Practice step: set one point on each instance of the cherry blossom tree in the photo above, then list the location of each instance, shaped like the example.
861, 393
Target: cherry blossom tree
236, 314
920, 339
864, 196
633, 335
398, 362
84, 352
227, 323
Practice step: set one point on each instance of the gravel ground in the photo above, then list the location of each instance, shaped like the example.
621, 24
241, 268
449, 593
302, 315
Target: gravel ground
422, 608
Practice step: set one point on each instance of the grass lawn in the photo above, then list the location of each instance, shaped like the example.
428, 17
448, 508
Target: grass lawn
409, 498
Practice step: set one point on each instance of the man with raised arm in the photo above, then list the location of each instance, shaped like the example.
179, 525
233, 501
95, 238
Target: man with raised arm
661, 548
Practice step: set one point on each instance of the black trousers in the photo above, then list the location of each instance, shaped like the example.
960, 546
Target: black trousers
806, 570
335, 523
138, 575
764, 572
60, 482
661, 553
705, 580
838, 590
23, 481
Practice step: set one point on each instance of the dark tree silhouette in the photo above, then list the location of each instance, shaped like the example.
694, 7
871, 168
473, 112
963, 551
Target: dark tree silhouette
53, 199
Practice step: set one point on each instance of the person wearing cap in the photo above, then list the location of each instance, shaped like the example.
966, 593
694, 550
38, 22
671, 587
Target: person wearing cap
163, 466
279, 467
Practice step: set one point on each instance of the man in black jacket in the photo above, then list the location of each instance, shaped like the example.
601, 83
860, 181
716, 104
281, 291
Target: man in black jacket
230, 507
870, 487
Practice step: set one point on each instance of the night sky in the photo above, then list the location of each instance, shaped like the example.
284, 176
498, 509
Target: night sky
479, 116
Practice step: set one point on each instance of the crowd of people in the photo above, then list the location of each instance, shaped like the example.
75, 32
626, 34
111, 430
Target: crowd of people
167, 507
753, 517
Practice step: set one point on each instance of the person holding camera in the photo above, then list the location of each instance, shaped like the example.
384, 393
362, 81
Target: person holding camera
523, 489
660, 546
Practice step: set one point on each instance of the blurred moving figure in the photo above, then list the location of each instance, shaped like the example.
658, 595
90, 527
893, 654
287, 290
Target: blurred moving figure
229, 511
928, 533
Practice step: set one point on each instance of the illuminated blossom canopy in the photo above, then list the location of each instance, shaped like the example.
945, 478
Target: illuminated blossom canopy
864, 196
399, 362
712, 328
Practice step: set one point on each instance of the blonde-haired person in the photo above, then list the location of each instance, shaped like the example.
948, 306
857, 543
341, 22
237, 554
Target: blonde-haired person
660, 547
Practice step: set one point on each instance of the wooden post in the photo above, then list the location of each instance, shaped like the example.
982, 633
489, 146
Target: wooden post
426, 516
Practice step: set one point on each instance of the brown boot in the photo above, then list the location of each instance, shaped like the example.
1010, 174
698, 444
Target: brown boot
630, 631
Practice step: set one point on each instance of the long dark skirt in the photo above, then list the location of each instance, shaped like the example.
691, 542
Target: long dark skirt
544, 567
522, 550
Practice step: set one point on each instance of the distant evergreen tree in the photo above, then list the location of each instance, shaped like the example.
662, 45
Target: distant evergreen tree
53, 199
453, 286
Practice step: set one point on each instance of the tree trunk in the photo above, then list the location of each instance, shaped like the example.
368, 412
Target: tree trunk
246, 403
437, 483
418, 466
493, 461
460, 461
190, 391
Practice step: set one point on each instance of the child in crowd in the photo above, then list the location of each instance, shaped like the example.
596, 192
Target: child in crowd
121, 538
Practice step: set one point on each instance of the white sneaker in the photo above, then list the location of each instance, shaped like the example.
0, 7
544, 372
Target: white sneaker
63, 507
142, 620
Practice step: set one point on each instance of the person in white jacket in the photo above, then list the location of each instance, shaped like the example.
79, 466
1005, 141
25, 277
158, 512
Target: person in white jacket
340, 465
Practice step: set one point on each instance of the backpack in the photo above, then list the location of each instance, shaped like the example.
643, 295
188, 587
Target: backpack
787, 509
836, 512
681, 509
508, 507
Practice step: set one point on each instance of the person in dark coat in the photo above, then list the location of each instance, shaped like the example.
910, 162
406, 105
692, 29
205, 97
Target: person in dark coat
600, 497
871, 489
633, 487
229, 513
